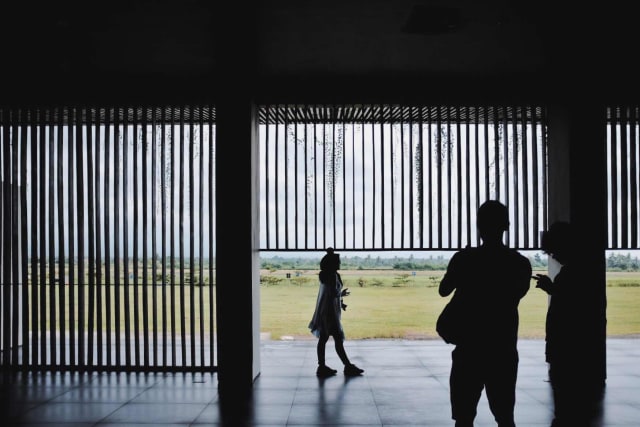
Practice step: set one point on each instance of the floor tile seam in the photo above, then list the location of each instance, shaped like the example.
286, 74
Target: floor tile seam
50, 400
290, 409
138, 394
202, 411
111, 413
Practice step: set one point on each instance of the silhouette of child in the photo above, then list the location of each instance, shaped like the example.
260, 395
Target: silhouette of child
326, 321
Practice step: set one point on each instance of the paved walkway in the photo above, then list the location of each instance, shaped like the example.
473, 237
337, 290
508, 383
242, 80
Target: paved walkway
405, 384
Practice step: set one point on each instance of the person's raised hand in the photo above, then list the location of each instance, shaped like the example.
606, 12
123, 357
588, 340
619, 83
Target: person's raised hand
544, 282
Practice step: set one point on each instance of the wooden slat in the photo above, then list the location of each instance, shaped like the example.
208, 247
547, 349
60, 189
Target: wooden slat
515, 180
107, 231
15, 239
373, 185
525, 175
91, 238
411, 183
267, 180
125, 236
43, 243
364, 193
98, 240
535, 165
201, 234
382, 180
505, 159
624, 167
613, 166
353, 185
276, 185
136, 239
487, 153
24, 284
497, 177
392, 174
116, 233
154, 239
439, 162
163, 235
286, 177
470, 167
181, 189
35, 259
192, 283
80, 142
343, 173
460, 175
145, 232
72, 254
58, 131
172, 239
449, 178
429, 170
478, 187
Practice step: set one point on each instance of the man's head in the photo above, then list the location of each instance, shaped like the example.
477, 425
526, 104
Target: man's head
558, 241
493, 220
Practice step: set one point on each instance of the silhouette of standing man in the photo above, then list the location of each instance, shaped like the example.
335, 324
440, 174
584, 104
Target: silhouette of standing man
489, 280
575, 395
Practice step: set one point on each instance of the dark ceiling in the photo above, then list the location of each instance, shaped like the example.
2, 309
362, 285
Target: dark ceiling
336, 49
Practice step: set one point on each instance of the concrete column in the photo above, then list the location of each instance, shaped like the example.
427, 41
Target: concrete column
237, 189
578, 194
237, 256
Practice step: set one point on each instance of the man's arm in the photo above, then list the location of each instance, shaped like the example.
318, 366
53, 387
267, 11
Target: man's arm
448, 282
525, 281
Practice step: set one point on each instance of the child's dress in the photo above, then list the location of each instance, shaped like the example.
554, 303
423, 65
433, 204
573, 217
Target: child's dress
326, 318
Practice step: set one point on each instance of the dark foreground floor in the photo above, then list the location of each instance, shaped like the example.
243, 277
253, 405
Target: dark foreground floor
405, 384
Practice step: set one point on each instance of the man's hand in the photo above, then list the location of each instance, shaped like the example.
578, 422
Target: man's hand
544, 282
345, 292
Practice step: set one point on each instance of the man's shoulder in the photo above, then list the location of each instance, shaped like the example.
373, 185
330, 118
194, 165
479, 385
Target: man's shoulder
520, 256
477, 252
466, 253
520, 260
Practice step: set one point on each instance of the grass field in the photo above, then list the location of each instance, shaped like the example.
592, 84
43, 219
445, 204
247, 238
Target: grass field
382, 304
393, 304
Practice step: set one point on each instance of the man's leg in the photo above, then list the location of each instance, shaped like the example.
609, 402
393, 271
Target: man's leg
501, 388
466, 386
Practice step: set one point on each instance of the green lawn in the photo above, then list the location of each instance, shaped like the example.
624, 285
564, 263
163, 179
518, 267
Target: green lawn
391, 305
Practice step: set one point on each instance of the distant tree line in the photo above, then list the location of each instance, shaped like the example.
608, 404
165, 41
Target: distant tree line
620, 262
369, 262
615, 262
372, 262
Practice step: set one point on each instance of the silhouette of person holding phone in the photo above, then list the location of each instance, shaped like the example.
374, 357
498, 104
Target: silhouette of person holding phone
489, 281
568, 313
326, 321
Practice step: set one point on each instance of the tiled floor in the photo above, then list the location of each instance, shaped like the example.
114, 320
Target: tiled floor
405, 384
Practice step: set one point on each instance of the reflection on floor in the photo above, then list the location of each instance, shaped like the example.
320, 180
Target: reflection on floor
405, 384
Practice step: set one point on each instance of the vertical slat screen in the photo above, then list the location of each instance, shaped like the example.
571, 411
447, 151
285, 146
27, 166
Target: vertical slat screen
398, 177
623, 157
89, 196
